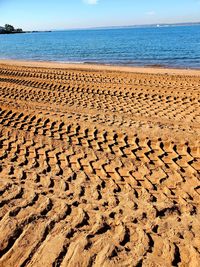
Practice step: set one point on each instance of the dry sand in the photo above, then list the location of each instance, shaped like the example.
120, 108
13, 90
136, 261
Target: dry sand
99, 166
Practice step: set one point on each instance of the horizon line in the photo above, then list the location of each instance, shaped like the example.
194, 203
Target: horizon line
121, 26
127, 26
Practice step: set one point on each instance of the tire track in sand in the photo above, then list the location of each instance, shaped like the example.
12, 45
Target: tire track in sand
98, 169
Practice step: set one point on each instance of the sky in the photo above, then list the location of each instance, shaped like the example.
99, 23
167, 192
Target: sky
69, 14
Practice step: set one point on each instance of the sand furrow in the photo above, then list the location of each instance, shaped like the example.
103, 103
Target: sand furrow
98, 168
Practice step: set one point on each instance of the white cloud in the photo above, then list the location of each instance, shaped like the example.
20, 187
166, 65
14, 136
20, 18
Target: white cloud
91, 2
151, 13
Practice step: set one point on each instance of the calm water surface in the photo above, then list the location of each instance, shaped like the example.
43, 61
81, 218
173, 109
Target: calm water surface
164, 46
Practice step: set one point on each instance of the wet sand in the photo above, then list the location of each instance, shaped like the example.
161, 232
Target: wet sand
99, 165
96, 67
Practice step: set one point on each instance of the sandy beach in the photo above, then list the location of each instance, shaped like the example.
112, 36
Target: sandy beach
99, 165
98, 67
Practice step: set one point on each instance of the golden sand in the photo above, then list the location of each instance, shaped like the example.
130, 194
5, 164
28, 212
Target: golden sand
99, 165
96, 67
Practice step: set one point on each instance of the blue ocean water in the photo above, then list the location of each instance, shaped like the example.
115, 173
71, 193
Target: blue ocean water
163, 46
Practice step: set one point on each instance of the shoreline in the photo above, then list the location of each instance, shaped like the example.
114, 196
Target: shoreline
101, 67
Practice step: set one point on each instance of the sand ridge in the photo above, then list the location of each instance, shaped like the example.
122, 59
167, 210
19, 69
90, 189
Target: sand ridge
98, 168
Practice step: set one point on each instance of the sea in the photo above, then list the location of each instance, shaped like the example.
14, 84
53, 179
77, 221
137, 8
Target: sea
161, 46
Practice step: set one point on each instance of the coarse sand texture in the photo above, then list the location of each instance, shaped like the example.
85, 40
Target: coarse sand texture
99, 168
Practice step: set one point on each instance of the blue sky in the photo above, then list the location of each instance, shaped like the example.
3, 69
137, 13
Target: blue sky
66, 14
